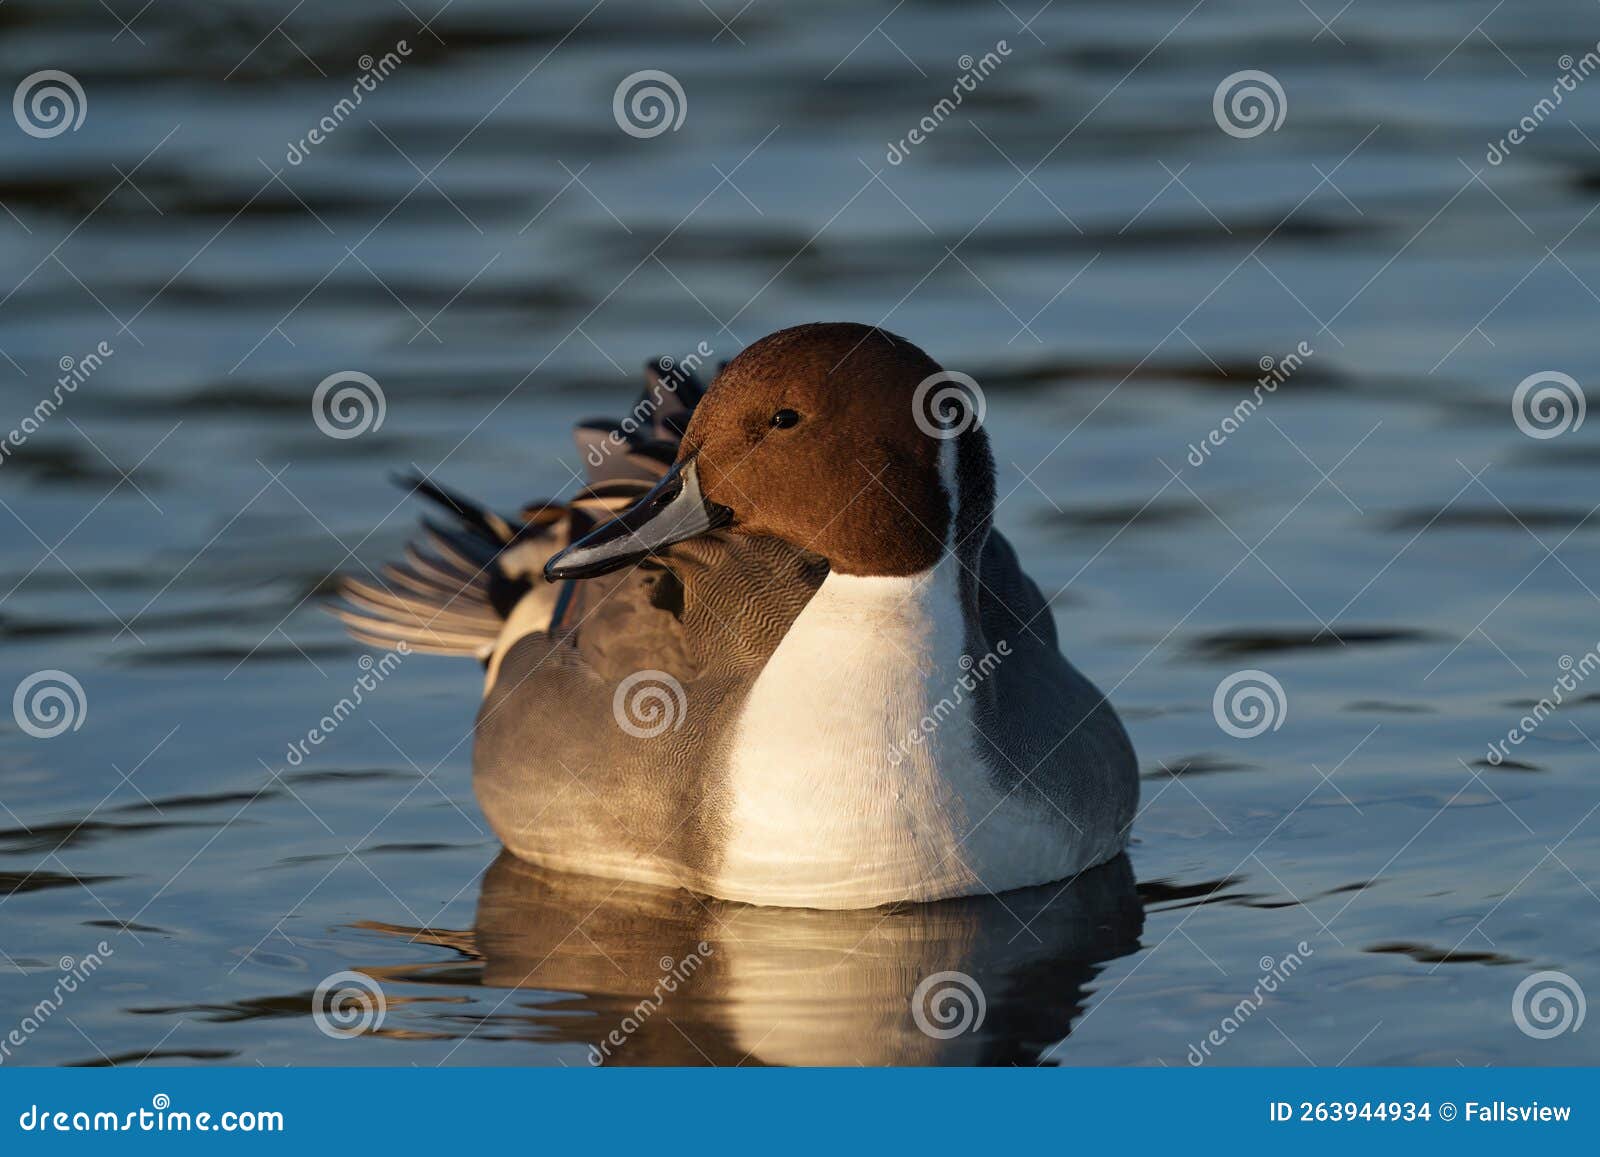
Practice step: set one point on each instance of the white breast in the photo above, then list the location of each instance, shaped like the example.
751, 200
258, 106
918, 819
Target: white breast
832, 804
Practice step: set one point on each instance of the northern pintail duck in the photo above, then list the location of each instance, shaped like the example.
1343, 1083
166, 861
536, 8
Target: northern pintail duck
774, 652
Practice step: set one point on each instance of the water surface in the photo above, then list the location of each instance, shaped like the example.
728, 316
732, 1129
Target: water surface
482, 239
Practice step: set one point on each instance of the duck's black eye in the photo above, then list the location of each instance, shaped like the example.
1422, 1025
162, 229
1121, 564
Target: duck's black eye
783, 419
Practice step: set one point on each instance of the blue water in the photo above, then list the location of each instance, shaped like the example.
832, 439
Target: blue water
482, 239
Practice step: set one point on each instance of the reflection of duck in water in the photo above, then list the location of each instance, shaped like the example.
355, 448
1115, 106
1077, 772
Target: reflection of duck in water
853, 691
667, 978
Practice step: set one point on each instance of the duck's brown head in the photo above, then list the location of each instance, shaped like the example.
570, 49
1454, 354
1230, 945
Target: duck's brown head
841, 439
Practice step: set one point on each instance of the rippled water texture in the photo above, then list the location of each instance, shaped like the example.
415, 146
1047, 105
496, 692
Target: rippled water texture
483, 239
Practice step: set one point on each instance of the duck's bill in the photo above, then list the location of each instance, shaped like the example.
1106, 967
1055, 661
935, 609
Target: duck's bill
675, 510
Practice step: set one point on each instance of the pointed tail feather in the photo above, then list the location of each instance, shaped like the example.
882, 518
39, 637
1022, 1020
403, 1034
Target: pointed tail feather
449, 596
463, 581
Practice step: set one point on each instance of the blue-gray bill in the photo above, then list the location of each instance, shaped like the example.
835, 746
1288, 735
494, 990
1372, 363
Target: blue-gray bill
674, 511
